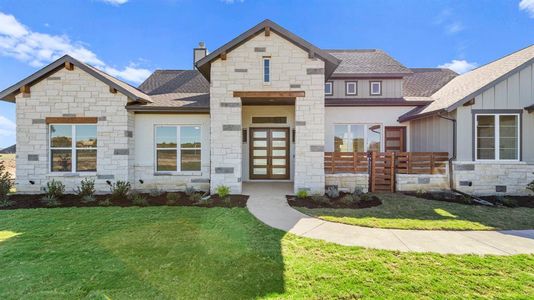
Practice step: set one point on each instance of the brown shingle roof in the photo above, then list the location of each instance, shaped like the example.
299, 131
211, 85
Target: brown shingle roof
367, 62
175, 81
426, 81
190, 102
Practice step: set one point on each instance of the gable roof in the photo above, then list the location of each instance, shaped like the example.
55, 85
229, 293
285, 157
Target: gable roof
466, 86
331, 62
423, 82
370, 62
175, 81
121, 86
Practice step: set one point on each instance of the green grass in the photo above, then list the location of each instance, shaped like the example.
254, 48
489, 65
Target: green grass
405, 212
218, 253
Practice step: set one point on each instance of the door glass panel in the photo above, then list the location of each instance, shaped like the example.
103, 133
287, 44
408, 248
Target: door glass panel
341, 136
279, 171
260, 134
279, 153
279, 162
374, 135
259, 153
260, 143
260, 171
278, 143
260, 162
278, 134
357, 135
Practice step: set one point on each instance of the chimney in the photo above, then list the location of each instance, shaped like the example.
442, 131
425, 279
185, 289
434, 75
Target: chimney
199, 53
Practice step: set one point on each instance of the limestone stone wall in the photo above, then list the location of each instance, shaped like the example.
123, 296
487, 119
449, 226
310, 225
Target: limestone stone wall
495, 178
72, 93
348, 182
291, 69
416, 182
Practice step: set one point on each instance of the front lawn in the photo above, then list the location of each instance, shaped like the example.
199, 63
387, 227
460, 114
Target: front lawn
406, 212
220, 253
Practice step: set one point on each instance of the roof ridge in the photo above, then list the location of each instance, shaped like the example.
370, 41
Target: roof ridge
353, 50
500, 58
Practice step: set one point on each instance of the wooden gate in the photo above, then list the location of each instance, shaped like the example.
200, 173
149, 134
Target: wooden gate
382, 177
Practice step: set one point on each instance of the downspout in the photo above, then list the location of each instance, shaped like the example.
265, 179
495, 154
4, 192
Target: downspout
451, 180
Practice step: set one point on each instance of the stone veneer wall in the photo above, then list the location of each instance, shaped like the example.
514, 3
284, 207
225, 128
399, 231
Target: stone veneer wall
484, 178
72, 93
291, 69
416, 182
348, 182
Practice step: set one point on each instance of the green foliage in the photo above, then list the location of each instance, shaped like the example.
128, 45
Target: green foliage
366, 197
138, 199
6, 184
172, 198
348, 200
55, 189
195, 197
86, 188
105, 202
332, 192
5, 202
302, 194
50, 200
223, 191
530, 186
120, 190
509, 202
320, 199
190, 190
357, 191
88, 199
155, 193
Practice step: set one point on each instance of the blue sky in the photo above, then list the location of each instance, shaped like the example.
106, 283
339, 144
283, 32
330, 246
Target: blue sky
131, 38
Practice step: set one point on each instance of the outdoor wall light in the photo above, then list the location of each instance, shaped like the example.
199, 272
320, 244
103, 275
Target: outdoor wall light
32, 182
108, 182
141, 181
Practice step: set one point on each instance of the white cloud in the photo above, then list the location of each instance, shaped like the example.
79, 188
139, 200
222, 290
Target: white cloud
114, 2
528, 6
38, 49
7, 127
459, 66
454, 27
449, 22
232, 1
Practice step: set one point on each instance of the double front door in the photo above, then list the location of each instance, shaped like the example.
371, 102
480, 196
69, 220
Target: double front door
269, 153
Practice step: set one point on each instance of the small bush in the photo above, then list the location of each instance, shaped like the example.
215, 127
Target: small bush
105, 202
357, 191
227, 201
302, 194
223, 191
155, 193
172, 198
55, 189
347, 200
120, 190
50, 200
138, 199
366, 197
190, 190
88, 199
530, 186
5, 202
509, 202
332, 192
86, 188
320, 199
196, 197
465, 199
5, 182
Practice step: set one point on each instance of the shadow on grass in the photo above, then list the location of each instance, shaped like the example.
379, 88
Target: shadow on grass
164, 252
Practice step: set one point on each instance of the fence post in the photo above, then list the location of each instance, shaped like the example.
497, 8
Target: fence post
409, 163
372, 169
393, 177
333, 162
432, 163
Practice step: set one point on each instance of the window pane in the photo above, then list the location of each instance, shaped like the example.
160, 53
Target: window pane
260, 162
259, 171
266, 70
508, 137
166, 160
374, 136
486, 137
86, 136
351, 88
259, 153
260, 143
60, 136
61, 160
279, 171
341, 137
86, 160
279, 162
166, 137
260, 134
278, 152
375, 88
278, 143
278, 134
357, 134
190, 136
328, 88
190, 160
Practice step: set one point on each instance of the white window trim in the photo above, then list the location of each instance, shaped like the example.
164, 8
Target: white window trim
497, 137
331, 84
263, 70
347, 83
72, 148
379, 83
178, 149
365, 132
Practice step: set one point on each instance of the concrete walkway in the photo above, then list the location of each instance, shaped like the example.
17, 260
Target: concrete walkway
268, 203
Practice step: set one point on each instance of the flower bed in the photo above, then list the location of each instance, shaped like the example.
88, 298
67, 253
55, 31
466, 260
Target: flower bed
345, 200
449, 196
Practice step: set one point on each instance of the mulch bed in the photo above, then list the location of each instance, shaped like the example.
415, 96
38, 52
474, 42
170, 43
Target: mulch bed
308, 202
22, 201
510, 201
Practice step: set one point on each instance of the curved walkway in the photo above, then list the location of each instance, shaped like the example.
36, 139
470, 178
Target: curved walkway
267, 202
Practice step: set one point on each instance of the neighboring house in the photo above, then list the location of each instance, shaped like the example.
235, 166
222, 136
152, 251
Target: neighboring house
9, 150
267, 106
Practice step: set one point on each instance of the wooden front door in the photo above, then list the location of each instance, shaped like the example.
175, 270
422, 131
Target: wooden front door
269, 153
395, 139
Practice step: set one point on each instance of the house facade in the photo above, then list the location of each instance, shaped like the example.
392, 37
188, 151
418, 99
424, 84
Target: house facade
267, 106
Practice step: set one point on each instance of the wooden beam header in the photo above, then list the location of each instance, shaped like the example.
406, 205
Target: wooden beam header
223, 56
267, 31
25, 89
112, 90
69, 66
269, 94
71, 120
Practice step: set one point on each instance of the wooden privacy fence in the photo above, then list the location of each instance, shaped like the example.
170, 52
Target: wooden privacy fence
421, 162
345, 162
382, 175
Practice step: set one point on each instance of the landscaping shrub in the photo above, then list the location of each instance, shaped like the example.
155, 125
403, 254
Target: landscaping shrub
50, 200
120, 190
320, 199
301, 194
5, 183
172, 198
5, 202
223, 191
357, 191
105, 202
189, 190
195, 197
55, 188
155, 193
530, 186
332, 192
88, 199
86, 188
509, 202
366, 197
347, 200
138, 199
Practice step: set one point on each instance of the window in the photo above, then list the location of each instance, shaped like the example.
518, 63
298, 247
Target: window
266, 70
375, 88
178, 148
269, 120
497, 137
351, 88
329, 88
357, 138
73, 148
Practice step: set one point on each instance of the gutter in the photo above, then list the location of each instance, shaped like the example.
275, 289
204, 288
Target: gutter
453, 158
